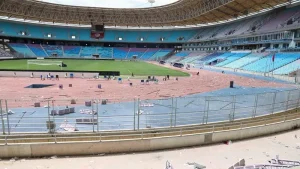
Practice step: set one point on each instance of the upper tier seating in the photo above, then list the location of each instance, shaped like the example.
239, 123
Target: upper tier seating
39, 31
89, 51
275, 22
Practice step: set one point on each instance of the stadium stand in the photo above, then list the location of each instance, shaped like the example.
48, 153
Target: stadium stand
265, 64
191, 57
149, 53
5, 54
33, 50
182, 54
245, 60
71, 51
160, 54
136, 52
263, 23
15, 29
88, 51
293, 20
285, 70
231, 58
275, 22
105, 52
211, 56
120, 53
22, 49
37, 50
174, 59
218, 59
53, 49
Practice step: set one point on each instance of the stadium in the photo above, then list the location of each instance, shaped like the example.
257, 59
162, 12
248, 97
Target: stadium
185, 84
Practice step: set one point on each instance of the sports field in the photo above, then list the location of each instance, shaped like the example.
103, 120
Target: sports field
125, 67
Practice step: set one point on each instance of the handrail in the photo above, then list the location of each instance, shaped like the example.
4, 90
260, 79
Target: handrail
148, 134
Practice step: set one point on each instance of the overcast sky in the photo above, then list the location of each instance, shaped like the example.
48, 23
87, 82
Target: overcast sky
112, 3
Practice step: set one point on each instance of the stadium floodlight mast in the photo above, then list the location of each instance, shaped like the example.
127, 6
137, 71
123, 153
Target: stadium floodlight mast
151, 2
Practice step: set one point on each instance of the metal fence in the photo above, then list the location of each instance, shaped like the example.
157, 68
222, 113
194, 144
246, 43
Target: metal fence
95, 115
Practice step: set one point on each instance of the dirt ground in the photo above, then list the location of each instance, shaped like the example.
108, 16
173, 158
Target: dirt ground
14, 89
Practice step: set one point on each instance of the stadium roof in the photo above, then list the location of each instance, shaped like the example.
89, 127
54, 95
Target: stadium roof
179, 13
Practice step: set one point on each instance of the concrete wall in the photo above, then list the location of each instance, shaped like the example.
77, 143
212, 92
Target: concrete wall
125, 146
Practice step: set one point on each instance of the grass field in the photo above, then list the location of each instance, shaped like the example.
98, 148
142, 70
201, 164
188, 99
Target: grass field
125, 67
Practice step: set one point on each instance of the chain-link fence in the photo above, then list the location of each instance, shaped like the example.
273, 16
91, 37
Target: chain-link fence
95, 115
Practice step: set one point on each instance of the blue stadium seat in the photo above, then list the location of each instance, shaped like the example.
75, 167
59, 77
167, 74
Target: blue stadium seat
53, 49
72, 51
149, 53
231, 58
245, 60
136, 52
105, 52
22, 49
120, 53
37, 50
88, 51
266, 64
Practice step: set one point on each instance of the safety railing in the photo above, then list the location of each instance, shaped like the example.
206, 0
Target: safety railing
101, 115
147, 134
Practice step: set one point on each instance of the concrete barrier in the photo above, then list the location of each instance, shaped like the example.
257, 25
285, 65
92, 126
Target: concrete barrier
138, 145
10, 151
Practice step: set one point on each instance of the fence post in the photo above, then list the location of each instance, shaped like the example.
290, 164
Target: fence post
171, 115
2, 120
49, 124
54, 117
175, 112
274, 100
207, 111
255, 106
93, 115
7, 117
287, 102
233, 107
97, 110
298, 101
134, 112
138, 114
